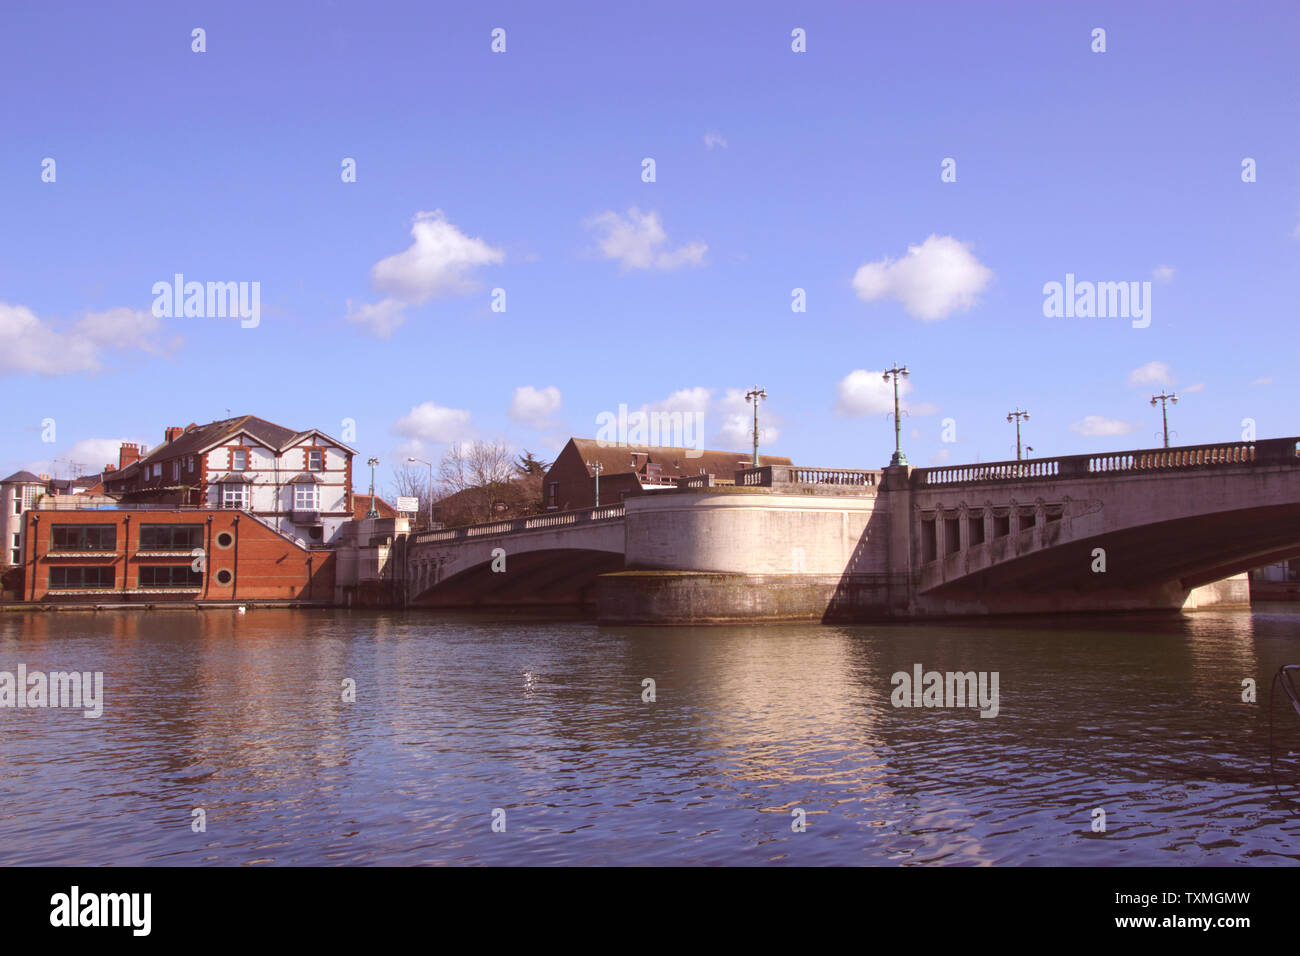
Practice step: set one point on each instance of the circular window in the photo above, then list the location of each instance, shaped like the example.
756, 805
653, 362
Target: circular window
225, 539
224, 576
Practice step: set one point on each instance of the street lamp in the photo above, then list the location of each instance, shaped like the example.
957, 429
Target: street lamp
1162, 398
374, 511
1017, 416
430, 464
899, 458
755, 395
597, 467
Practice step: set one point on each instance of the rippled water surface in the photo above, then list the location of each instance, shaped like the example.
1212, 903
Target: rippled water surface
457, 715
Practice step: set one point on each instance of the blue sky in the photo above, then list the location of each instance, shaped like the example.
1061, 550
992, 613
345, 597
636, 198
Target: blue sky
775, 170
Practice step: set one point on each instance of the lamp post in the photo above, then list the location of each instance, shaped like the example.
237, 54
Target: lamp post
430, 464
597, 467
899, 458
1162, 398
373, 512
755, 395
1017, 416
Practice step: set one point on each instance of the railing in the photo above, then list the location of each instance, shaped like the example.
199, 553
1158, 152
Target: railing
555, 519
1272, 451
768, 476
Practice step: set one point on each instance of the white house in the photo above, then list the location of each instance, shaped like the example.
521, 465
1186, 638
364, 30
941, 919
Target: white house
298, 482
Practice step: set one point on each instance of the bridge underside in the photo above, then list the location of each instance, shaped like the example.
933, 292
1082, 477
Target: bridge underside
558, 577
1154, 565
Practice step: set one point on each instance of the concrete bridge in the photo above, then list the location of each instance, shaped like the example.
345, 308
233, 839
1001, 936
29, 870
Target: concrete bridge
1146, 529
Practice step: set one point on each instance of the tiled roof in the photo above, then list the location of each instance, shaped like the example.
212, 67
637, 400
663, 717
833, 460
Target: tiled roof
197, 439
23, 476
361, 504
674, 462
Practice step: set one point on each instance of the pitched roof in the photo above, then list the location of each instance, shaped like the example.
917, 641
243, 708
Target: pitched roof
361, 504
674, 462
201, 437
22, 476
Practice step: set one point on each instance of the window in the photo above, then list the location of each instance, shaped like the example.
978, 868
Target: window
190, 462
234, 494
171, 576
157, 469
29, 497
170, 537
552, 493
18, 506
306, 497
315, 460
83, 537
18, 541
176, 470
62, 579
16, 558
239, 459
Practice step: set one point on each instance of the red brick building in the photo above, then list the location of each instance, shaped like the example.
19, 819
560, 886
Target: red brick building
155, 556
628, 470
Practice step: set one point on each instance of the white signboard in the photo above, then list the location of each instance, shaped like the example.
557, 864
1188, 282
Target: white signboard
408, 504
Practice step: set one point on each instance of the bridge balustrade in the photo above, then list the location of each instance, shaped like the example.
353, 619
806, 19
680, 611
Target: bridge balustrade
555, 519
1268, 451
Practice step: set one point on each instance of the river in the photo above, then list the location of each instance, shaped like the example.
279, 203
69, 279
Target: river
495, 739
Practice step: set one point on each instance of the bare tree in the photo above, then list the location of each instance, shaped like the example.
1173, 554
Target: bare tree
478, 474
413, 481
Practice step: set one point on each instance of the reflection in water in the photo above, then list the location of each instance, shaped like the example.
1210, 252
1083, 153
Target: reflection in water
455, 715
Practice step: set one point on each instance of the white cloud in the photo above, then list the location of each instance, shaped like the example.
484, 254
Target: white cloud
433, 423
535, 406
683, 400
128, 328
1262, 381
714, 140
1198, 387
940, 456
638, 241
862, 393
736, 430
1153, 373
29, 344
378, 318
1163, 273
438, 262
88, 456
935, 279
1097, 425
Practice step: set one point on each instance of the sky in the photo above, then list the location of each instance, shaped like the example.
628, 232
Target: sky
505, 264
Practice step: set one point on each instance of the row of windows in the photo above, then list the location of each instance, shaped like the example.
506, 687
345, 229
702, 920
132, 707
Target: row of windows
177, 576
103, 537
238, 462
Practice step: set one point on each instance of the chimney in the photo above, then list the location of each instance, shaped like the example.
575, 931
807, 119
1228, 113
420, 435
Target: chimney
110, 467
173, 433
128, 453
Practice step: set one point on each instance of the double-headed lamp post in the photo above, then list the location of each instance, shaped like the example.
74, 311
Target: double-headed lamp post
1017, 416
430, 464
899, 458
374, 511
597, 468
755, 395
1162, 398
